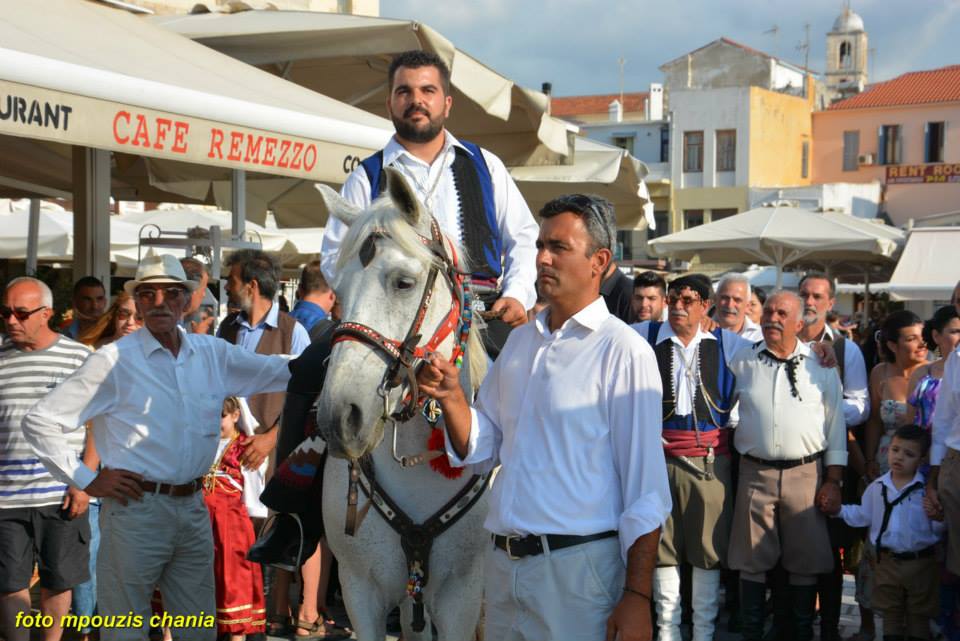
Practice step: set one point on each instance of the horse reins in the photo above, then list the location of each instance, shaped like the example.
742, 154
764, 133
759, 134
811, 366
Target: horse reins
405, 355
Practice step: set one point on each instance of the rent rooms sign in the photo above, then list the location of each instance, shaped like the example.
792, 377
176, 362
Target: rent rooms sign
927, 174
44, 114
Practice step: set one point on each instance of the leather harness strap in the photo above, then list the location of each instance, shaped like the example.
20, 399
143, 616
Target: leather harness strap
416, 539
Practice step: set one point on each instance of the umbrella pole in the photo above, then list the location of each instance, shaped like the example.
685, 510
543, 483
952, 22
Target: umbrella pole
778, 259
866, 298
238, 203
33, 236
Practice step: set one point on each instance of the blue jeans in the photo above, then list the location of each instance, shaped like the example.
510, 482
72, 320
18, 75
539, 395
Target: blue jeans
85, 594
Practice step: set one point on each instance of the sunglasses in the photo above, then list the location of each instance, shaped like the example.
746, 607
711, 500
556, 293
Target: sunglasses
20, 314
148, 295
685, 301
126, 314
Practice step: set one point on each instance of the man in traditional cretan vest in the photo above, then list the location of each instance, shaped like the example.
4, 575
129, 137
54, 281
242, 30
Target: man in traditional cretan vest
697, 402
260, 327
466, 188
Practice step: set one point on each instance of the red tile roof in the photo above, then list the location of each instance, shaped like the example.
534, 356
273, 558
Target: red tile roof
913, 88
569, 106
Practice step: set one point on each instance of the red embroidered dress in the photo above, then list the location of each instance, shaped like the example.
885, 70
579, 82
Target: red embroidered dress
240, 601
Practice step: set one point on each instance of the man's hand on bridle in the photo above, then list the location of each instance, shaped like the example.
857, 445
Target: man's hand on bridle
439, 378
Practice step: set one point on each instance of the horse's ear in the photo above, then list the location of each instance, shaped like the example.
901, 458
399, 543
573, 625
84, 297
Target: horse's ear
402, 196
338, 206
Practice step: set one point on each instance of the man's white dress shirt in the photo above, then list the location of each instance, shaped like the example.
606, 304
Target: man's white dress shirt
684, 354
153, 414
434, 187
751, 331
856, 390
777, 426
946, 415
573, 418
909, 529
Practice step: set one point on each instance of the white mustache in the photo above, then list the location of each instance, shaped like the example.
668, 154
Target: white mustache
772, 326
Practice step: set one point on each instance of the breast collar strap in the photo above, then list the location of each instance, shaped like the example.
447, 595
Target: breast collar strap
404, 356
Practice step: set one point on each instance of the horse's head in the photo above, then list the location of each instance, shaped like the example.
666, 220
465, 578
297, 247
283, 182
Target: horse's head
384, 268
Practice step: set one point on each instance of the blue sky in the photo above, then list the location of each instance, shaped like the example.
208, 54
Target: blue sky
575, 44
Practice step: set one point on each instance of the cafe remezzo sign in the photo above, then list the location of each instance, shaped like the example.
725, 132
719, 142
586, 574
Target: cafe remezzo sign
34, 112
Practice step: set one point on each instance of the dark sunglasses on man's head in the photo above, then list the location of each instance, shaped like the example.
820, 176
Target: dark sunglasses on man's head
20, 314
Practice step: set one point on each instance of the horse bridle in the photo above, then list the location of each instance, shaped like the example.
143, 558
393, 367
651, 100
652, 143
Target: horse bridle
404, 356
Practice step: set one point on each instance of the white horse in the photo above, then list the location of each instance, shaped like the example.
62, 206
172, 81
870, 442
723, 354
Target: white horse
384, 268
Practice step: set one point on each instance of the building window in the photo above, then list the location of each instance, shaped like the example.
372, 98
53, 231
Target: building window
851, 150
693, 151
726, 150
846, 60
720, 214
624, 142
805, 159
692, 218
933, 143
662, 218
664, 144
889, 145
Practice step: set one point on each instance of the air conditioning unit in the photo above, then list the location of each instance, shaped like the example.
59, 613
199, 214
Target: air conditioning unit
865, 159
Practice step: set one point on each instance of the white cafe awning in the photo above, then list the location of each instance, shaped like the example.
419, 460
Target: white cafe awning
928, 269
347, 56
83, 74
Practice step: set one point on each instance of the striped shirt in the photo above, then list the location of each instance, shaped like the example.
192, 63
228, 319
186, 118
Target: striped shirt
25, 378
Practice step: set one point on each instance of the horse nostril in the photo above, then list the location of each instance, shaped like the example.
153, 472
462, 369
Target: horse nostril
354, 418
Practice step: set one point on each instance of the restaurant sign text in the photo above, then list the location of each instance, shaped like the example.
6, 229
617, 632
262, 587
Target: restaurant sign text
925, 174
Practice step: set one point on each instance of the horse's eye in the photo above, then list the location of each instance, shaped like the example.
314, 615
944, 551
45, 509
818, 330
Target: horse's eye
405, 282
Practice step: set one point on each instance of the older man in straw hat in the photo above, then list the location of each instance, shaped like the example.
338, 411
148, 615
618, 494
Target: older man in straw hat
155, 398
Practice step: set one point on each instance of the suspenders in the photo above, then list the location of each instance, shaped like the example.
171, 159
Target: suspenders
888, 508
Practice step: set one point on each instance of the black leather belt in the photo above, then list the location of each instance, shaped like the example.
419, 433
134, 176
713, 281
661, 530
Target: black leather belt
787, 464
909, 556
518, 547
184, 489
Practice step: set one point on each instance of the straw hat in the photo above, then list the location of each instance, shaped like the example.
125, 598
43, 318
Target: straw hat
162, 268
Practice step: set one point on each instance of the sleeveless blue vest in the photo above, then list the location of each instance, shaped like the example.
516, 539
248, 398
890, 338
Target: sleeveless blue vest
719, 386
478, 213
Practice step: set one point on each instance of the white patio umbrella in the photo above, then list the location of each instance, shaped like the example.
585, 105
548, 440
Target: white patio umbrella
346, 58
55, 237
599, 169
785, 235
293, 246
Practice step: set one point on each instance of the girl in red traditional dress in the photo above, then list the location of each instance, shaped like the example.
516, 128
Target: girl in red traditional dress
240, 602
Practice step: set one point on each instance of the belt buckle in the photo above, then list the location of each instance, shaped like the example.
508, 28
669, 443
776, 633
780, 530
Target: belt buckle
508, 550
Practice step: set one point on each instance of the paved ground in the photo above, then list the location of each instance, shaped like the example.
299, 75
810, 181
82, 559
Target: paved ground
849, 620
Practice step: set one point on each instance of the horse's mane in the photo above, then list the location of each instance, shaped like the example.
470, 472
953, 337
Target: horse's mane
384, 217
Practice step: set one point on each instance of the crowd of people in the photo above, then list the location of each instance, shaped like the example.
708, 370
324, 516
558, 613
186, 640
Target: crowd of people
652, 448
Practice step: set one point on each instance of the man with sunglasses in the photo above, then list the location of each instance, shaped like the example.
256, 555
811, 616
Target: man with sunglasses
697, 405
42, 520
154, 398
